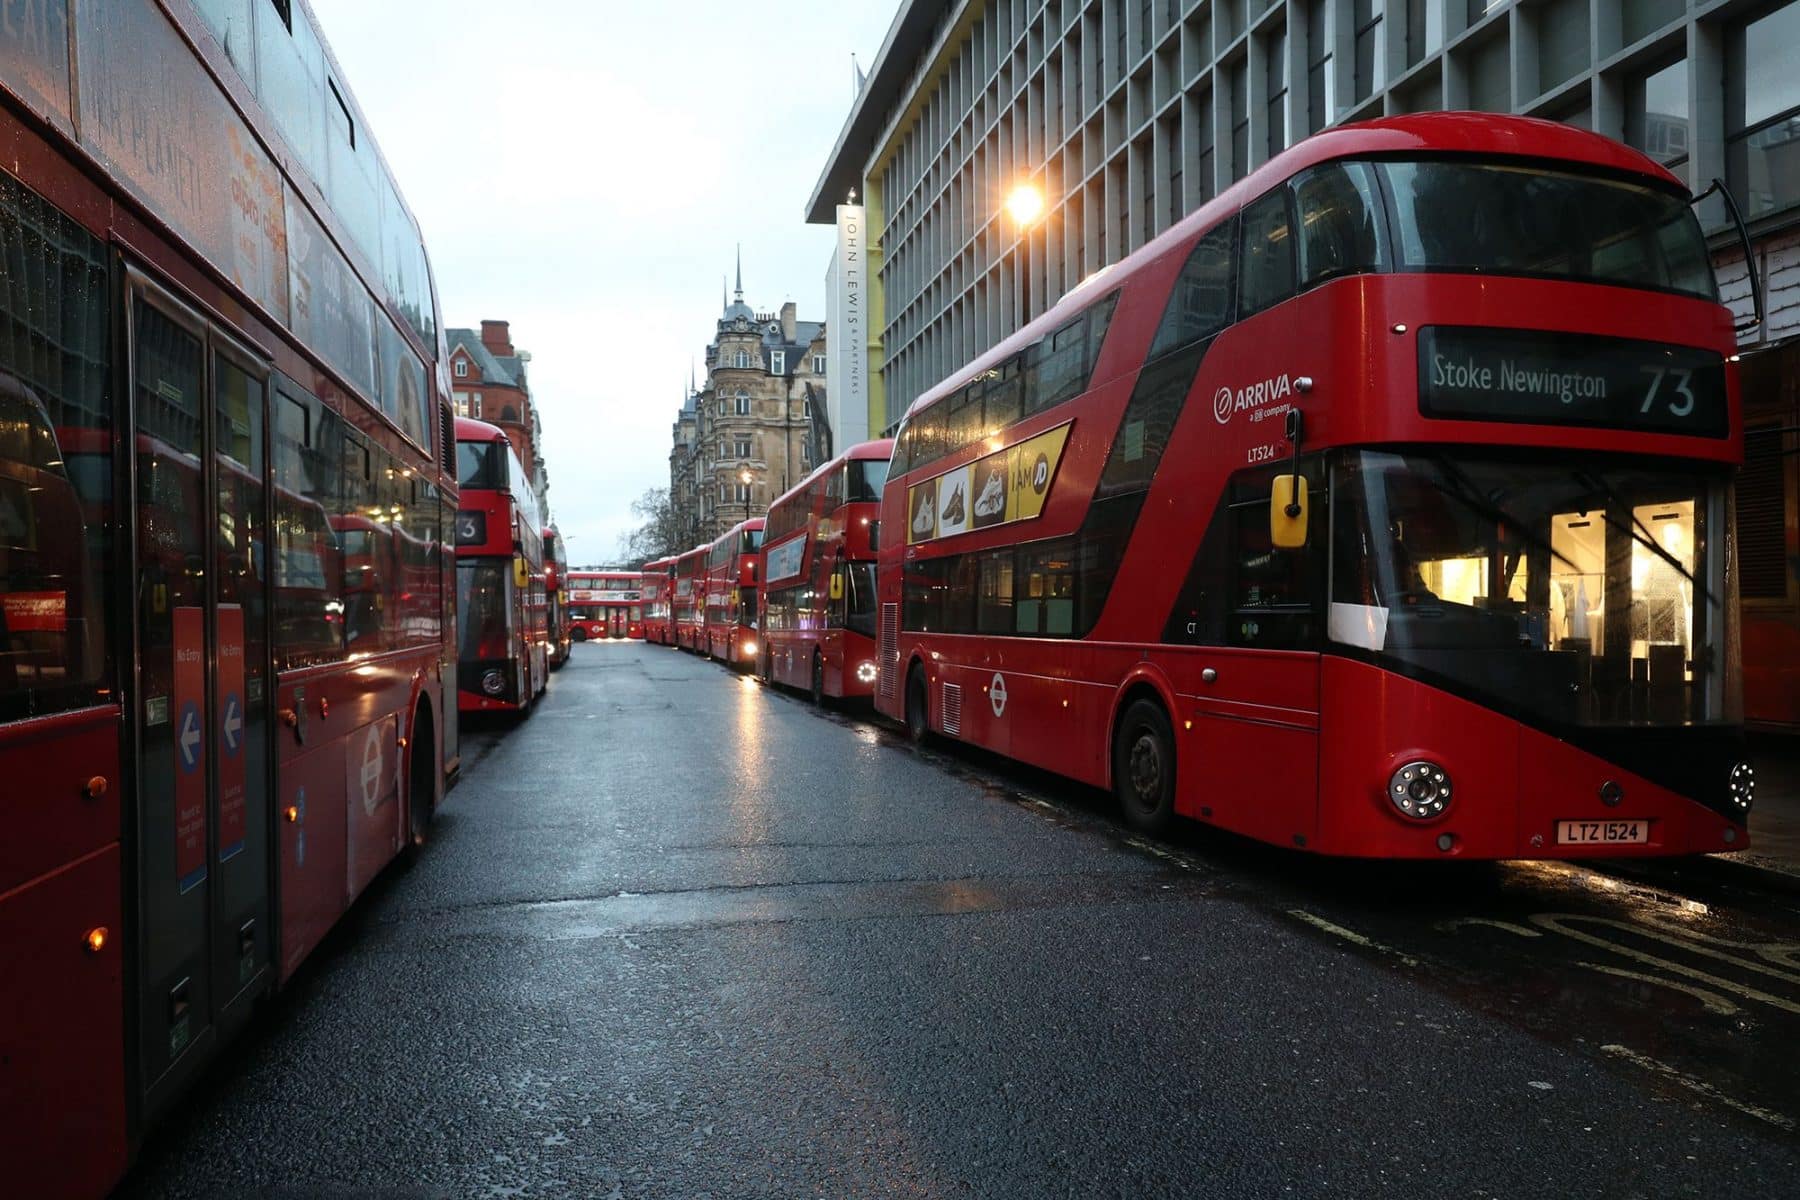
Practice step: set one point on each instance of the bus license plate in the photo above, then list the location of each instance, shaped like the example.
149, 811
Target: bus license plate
1611, 833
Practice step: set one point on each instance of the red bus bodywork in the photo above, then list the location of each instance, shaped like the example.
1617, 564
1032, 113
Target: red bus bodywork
732, 595
226, 626
503, 659
658, 582
818, 577
687, 597
556, 598
1158, 641
1768, 508
606, 604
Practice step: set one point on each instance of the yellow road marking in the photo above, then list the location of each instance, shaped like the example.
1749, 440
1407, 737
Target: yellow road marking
1350, 935
1714, 1002
1779, 1120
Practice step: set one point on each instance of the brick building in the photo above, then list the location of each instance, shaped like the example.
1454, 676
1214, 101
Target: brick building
488, 381
756, 425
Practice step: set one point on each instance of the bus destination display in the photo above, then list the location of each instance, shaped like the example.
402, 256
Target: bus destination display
1571, 379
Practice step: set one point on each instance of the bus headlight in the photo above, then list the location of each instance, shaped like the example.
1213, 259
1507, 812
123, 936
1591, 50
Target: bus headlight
493, 683
1743, 787
1420, 790
865, 672
747, 648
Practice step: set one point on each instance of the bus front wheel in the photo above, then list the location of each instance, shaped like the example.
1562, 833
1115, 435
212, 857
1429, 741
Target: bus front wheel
1144, 767
918, 718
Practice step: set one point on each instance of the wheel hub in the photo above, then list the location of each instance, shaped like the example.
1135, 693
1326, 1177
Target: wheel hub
1146, 768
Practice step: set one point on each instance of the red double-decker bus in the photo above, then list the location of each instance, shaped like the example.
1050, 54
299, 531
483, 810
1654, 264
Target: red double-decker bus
558, 629
818, 578
224, 476
1494, 616
732, 603
658, 582
687, 613
606, 604
502, 617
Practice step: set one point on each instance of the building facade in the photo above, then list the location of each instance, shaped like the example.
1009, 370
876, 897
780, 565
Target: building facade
755, 426
1128, 114
488, 382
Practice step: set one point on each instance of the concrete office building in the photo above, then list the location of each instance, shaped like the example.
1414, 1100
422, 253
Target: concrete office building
1128, 114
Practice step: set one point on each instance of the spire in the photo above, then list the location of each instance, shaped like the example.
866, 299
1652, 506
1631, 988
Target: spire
722, 293
740, 273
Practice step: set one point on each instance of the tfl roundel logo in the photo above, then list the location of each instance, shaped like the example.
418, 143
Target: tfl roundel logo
1222, 405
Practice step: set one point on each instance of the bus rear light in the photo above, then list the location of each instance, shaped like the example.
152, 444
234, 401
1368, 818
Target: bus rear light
865, 672
492, 682
1743, 787
1420, 790
95, 939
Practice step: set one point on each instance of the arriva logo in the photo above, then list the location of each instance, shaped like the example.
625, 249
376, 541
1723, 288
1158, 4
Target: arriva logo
1226, 402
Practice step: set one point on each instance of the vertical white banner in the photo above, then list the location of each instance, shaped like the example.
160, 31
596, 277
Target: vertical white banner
847, 332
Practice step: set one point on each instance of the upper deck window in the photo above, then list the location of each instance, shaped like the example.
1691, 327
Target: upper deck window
1491, 218
864, 478
478, 465
1341, 230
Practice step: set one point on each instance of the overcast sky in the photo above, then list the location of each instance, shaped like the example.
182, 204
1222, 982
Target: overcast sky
584, 169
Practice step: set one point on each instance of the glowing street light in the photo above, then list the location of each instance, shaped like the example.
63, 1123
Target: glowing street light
1025, 203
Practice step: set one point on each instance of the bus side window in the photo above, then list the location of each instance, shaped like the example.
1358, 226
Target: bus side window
1341, 227
1044, 591
1201, 304
1274, 599
1266, 274
994, 598
309, 597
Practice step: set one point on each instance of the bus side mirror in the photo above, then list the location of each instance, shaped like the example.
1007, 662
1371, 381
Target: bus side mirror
837, 586
521, 577
1287, 512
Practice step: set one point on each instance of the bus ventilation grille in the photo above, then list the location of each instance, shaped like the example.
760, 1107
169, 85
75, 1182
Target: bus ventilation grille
953, 709
890, 649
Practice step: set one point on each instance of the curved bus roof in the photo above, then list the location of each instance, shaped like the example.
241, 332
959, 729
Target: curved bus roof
878, 450
468, 429
1480, 134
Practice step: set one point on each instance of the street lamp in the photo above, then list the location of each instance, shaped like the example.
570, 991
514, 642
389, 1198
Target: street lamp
744, 477
1025, 204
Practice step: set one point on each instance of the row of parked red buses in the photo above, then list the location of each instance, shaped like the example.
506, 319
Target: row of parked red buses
1382, 507
790, 596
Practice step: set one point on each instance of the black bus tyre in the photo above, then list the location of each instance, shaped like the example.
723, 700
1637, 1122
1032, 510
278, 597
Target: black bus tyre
918, 711
421, 802
580, 634
1144, 767
818, 679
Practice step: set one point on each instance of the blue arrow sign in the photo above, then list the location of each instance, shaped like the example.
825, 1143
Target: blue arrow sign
187, 741
234, 725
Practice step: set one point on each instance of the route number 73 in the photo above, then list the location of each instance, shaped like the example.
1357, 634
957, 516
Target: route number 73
1661, 375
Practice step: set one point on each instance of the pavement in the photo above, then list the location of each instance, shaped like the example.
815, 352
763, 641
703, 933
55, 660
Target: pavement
680, 935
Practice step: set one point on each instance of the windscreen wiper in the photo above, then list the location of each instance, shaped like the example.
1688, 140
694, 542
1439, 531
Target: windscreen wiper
1468, 494
1637, 530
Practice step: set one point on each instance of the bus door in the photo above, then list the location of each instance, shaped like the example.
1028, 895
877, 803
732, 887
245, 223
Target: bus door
201, 746
618, 623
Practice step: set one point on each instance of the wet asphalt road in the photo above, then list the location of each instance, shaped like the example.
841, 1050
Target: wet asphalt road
678, 935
